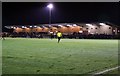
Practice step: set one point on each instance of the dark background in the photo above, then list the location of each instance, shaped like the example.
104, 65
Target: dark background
25, 13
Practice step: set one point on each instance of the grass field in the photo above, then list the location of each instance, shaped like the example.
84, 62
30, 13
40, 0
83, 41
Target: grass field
70, 56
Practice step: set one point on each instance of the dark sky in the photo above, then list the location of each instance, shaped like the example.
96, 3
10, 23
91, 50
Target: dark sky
37, 13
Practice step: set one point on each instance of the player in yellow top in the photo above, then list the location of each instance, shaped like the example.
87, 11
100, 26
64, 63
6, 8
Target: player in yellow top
59, 35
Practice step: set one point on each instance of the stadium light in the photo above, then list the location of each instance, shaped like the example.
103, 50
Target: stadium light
113, 30
89, 31
14, 27
60, 25
23, 27
35, 26
89, 25
30, 26
50, 6
80, 31
74, 25
103, 24
50, 32
68, 25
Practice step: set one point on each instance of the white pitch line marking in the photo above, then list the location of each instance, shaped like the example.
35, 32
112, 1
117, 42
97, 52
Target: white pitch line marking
107, 70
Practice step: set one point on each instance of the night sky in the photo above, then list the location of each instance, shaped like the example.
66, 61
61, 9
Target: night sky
26, 13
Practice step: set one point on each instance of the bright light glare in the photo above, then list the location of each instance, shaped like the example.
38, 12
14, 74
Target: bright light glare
80, 31
68, 25
89, 25
14, 27
74, 25
23, 27
103, 24
50, 6
51, 32
89, 31
113, 30
60, 25
30, 26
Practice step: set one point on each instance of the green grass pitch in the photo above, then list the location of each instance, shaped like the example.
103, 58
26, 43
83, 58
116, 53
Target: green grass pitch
46, 56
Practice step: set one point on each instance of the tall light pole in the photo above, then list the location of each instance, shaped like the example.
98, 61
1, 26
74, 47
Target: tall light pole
50, 6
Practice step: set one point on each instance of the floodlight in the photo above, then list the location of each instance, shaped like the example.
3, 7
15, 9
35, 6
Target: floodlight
80, 31
35, 26
23, 27
74, 25
103, 24
89, 25
30, 26
68, 25
89, 31
50, 6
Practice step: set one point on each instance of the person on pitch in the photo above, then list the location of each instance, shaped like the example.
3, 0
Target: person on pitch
59, 35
